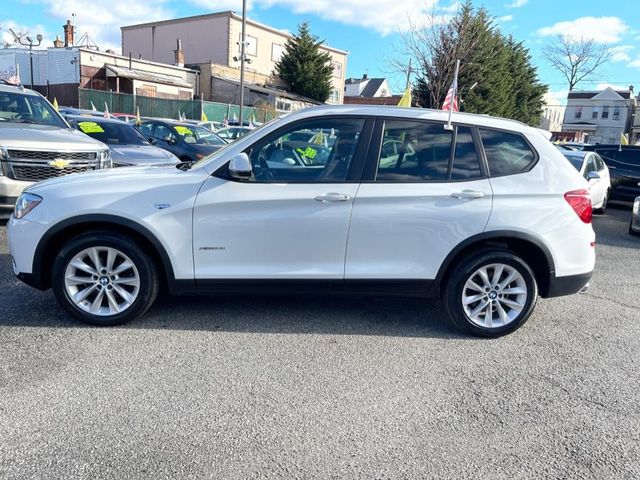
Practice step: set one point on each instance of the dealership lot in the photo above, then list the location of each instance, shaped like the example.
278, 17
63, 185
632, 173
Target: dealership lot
238, 387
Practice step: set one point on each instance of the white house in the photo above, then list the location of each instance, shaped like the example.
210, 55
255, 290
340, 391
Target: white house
366, 87
599, 116
552, 114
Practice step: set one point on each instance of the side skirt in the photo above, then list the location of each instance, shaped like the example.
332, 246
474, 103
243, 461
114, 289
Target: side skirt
402, 288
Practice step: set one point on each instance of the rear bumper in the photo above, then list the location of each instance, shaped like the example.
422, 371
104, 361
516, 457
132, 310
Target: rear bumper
561, 286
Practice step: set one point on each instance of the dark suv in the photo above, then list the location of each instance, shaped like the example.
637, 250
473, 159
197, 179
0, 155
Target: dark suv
624, 167
186, 141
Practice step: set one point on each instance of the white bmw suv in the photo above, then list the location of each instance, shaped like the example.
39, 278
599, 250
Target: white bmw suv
487, 214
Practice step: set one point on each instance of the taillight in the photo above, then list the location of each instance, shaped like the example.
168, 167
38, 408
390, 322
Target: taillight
580, 201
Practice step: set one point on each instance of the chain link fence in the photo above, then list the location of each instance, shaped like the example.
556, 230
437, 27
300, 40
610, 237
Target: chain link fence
168, 108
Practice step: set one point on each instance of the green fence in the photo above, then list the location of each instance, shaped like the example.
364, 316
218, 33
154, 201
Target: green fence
167, 108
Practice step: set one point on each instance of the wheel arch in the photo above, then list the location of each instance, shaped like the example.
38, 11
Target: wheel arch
51, 242
526, 246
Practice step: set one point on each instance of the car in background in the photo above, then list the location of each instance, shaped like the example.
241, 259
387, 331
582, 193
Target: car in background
595, 171
79, 111
36, 144
186, 141
211, 125
624, 163
634, 226
125, 117
231, 134
128, 146
571, 145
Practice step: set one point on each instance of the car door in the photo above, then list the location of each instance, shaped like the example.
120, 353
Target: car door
596, 185
285, 222
424, 191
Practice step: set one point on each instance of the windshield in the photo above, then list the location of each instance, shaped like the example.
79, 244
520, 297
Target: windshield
575, 160
112, 133
198, 135
18, 107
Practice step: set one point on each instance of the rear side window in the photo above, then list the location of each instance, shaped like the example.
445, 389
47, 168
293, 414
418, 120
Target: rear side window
422, 152
507, 153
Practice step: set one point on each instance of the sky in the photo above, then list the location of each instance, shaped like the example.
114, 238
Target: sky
369, 29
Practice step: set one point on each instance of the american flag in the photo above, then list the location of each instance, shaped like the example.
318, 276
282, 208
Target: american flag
451, 101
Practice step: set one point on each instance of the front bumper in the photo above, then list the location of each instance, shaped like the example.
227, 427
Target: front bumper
561, 286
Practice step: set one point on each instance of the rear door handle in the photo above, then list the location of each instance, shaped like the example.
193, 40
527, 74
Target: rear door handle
468, 194
332, 197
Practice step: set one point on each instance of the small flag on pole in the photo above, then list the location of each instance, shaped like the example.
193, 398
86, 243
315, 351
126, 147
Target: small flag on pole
451, 100
55, 103
405, 101
203, 117
138, 119
106, 110
93, 107
15, 78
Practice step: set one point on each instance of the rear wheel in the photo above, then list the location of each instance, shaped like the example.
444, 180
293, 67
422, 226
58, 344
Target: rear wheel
104, 279
491, 294
605, 202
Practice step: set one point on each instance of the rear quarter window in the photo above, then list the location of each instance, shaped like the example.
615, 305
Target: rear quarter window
507, 153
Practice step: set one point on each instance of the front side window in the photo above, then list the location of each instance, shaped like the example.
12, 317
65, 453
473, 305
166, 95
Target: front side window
507, 153
198, 135
17, 107
162, 132
414, 152
318, 151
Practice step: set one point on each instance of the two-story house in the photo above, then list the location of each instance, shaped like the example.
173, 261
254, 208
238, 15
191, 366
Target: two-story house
211, 42
598, 116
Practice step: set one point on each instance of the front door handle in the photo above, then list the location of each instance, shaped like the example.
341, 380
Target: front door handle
465, 194
332, 197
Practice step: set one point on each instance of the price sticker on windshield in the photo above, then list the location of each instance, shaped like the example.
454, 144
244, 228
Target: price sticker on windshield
90, 127
183, 130
307, 152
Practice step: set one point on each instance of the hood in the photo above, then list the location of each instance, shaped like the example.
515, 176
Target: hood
45, 137
142, 155
135, 175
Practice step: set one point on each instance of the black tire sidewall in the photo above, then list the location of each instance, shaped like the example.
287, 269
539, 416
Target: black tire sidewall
452, 295
146, 270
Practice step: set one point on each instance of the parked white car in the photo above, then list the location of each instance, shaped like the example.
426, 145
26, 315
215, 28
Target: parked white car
595, 171
634, 225
487, 214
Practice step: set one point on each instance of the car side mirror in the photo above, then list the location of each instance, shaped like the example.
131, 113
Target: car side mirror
593, 176
152, 140
240, 167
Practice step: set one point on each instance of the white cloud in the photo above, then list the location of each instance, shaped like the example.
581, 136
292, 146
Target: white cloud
556, 97
102, 20
505, 18
621, 53
517, 4
635, 63
598, 29
383, 16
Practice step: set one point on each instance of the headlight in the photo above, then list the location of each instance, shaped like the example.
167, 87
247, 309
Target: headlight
26, 202
104, 159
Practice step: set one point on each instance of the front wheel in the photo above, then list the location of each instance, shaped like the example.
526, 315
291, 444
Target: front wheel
104, 279
490, 294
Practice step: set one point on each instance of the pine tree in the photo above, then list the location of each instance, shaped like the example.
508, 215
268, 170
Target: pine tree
304, 67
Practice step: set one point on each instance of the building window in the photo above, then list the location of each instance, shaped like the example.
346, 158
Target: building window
616, 113
594, 114
334, 96
337, 69
276, 51
605, 112
251, 47
283, 105
578, 113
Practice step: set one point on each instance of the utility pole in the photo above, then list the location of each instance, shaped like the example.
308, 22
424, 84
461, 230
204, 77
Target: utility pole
29, 43
243, 44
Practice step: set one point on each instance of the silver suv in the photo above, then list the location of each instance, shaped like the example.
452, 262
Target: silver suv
36, 143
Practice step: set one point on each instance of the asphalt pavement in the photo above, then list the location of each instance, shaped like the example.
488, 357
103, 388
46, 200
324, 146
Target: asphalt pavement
244, 387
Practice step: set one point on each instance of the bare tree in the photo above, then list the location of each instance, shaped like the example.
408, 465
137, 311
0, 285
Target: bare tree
434, 43
577, 60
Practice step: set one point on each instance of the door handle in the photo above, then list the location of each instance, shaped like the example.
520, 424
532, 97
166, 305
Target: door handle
332, 197
468, 194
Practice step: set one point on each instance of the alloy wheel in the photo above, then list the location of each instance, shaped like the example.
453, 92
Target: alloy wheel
102, 281
494, 295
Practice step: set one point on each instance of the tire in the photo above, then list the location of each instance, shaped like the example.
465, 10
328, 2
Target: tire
603, 207
128, 291
632, 231
502, 322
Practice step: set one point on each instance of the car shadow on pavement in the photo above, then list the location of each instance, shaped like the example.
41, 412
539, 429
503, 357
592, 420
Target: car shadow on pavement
23, 306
